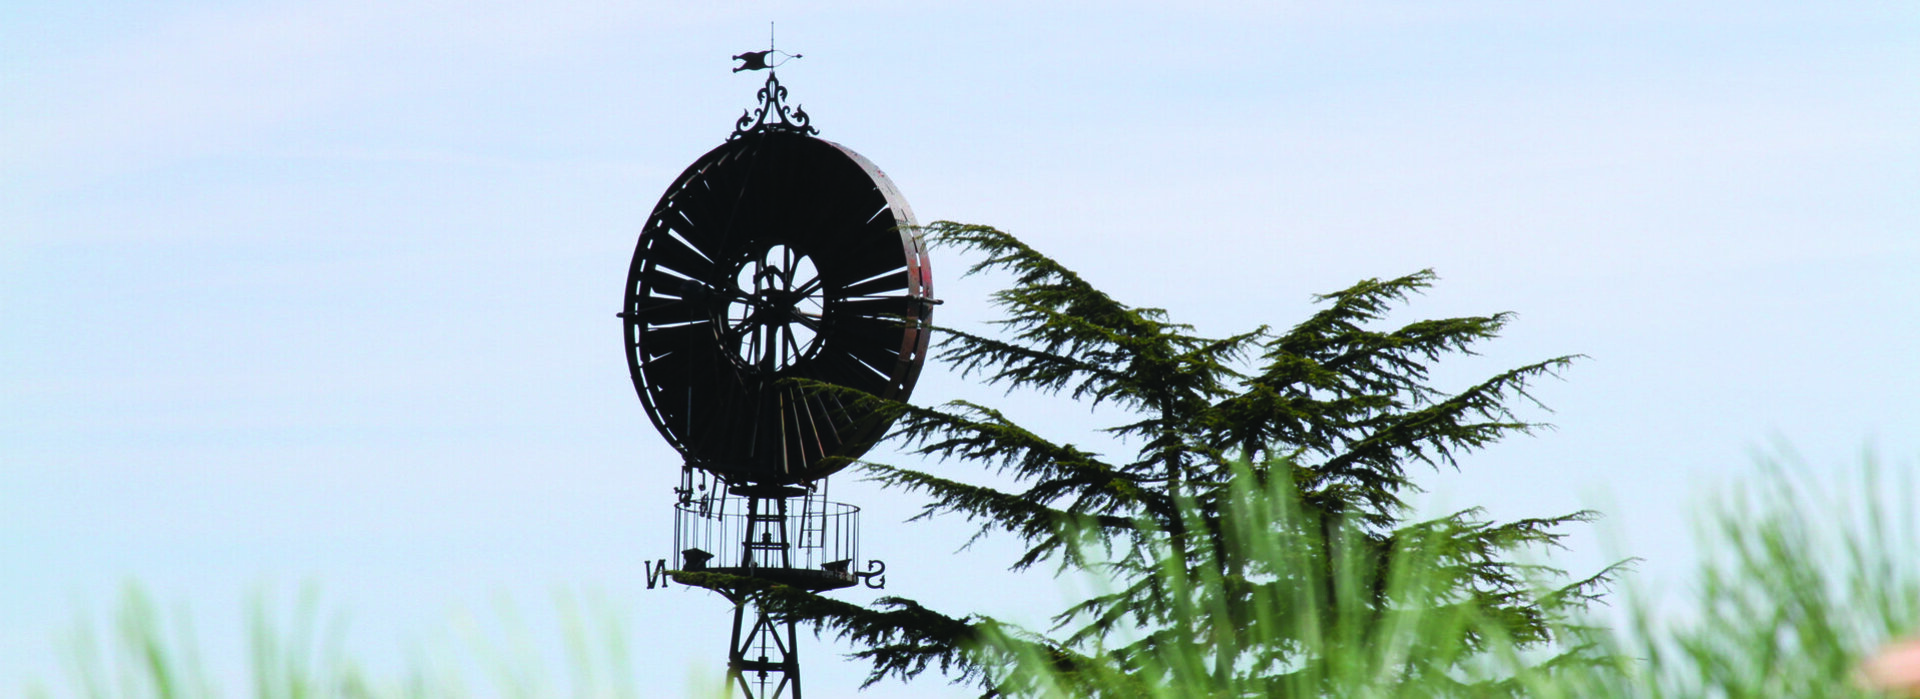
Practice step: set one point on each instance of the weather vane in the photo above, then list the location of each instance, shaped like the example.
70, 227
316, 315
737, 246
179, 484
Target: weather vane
764, 60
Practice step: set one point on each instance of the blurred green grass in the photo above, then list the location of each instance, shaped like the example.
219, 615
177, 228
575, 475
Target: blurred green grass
1802, 575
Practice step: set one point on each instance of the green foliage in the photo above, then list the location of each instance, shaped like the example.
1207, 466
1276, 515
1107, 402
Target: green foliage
146, 656
1801, 579
1799, 582
1310, 615
1333, 410
153, 655
1802, 576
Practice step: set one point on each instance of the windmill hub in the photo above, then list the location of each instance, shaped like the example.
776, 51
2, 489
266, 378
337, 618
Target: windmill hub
775, 317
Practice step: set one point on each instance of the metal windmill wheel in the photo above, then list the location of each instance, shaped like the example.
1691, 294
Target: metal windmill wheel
775, 256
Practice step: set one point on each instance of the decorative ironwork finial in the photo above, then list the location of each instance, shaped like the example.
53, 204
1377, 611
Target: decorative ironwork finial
773, 114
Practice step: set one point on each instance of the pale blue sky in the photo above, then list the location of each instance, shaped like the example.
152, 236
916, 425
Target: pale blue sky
303, 291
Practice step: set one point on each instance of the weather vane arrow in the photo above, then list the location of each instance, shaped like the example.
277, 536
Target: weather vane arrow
764, 60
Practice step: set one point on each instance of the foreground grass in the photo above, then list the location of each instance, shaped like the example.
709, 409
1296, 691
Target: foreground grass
294, 654
1801, 579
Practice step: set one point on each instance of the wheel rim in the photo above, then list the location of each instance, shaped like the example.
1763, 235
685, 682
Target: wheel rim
775, 257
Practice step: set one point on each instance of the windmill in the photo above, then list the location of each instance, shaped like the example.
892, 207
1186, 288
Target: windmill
775, 264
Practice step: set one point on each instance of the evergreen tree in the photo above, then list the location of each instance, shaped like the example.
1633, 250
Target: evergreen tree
1331, 412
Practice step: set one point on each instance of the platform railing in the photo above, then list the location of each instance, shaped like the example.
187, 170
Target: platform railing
803, 540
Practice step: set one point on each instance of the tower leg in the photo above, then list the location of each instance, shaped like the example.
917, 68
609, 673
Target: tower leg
764, 662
